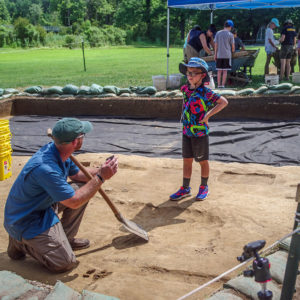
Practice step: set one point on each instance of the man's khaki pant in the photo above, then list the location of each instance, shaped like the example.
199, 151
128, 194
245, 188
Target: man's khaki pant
52, 247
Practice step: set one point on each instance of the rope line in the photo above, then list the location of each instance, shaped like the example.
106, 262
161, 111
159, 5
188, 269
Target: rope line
236, 267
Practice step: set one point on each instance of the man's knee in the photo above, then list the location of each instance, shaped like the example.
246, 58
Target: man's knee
63, 265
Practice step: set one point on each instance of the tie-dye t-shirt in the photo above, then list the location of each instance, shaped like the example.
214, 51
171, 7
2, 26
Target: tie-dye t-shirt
195, 105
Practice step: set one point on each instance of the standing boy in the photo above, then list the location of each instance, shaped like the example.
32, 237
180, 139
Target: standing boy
224, 47
199, 104
270, 43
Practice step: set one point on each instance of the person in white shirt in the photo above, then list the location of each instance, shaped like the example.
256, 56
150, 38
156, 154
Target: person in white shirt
270, 42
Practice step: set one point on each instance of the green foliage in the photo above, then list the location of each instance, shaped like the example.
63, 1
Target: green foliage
4, 14
42, 34
70, 41
35, 13
277, 35
108, 35
6, 36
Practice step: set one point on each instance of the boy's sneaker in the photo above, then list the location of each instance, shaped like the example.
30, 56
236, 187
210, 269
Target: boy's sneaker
203, 192
181, 193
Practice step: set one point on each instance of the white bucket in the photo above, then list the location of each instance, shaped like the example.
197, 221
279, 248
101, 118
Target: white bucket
174, 81
296, 77
159, 82
271, 79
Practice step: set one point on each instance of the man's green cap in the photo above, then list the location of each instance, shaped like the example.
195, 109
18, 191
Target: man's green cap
67, 130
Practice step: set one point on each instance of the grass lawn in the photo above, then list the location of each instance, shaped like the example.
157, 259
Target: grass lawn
120, 66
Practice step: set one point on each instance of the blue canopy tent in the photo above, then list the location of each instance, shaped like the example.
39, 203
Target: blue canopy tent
223, 4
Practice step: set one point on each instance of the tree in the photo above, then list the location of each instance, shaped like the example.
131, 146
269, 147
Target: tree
36, 13
101, 11
72, 11
4, 14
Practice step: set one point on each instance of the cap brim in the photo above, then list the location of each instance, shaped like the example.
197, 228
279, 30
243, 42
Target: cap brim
87, 126
183, 69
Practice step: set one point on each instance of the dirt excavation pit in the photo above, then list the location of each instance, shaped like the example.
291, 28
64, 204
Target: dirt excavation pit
190, 242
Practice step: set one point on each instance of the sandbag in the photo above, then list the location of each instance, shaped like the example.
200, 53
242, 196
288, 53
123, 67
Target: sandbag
108, 95
261, 90
111, 89
33, 89
297, 92
70, 89
125, 91
161, 94
125, 95
10, 91
281, 86
227, 93
243, 92
150, 90
274, 92
84, 90
96, 89
294, 89
54, 90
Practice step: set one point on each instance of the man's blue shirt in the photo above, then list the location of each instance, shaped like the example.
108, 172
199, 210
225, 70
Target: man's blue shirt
41, 183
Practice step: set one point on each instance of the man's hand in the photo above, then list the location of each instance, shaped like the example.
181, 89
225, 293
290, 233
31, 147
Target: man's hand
109, 168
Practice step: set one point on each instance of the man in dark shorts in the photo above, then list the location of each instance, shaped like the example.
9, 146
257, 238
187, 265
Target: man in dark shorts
199, 104
288, 43
224, 47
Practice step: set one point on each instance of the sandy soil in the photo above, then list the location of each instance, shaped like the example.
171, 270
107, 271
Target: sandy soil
190, 242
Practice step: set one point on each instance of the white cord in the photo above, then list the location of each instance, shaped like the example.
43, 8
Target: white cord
235, 268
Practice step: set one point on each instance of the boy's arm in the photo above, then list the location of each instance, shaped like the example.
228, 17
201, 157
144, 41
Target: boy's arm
221, 103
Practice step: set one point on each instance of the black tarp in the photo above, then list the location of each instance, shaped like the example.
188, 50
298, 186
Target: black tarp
266, 142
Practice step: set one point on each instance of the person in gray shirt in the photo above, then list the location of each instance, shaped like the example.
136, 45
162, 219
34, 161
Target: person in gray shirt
224, 47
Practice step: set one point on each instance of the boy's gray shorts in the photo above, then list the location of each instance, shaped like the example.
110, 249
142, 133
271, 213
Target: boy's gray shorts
195, 147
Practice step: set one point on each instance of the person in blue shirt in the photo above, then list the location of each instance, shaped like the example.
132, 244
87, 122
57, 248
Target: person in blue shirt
41, 191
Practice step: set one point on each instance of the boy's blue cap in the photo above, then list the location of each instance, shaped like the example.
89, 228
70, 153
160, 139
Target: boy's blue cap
195, 62
67, 130
229, 23
275, 21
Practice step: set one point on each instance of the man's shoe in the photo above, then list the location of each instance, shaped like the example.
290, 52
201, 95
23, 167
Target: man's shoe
78, 244
181, 193
12, 250
203, 192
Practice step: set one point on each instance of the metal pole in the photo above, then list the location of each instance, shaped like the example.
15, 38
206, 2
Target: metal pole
211, 6
82, 46
291, 271
168, 43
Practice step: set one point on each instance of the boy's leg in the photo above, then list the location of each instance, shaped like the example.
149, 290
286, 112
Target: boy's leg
201, 154
219, 77
204, 168
187, 167
267, 64
187, 156
224, 78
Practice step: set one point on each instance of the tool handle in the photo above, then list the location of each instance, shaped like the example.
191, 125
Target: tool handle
103, 194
